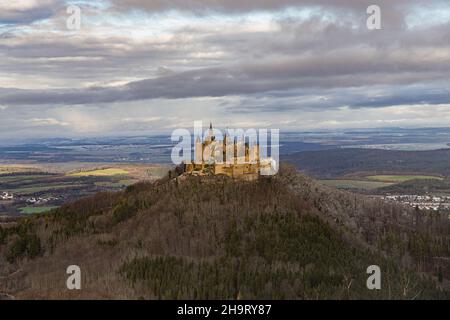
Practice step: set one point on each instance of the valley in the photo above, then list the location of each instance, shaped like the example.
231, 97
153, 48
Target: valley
38, 188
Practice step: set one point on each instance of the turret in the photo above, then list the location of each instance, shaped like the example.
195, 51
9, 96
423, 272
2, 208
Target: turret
225, 148
247, 152
210, 136
235, 150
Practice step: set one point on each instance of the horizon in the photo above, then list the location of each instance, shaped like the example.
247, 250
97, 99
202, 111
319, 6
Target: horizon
167, 134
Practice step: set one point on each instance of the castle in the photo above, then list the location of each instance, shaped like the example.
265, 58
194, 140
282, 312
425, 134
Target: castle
236, 159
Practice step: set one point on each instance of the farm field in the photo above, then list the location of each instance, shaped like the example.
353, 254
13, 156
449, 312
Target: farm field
22, 178
12, 168
39, 188
356, 184
35, 210
390, 183
119, 184
101, 173
402, 178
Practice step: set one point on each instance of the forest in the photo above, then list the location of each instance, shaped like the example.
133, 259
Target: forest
283, 237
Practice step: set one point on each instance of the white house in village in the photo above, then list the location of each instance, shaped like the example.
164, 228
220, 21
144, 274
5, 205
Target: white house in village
6, 196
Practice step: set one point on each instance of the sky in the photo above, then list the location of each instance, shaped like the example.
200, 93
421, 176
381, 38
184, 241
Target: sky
140, 67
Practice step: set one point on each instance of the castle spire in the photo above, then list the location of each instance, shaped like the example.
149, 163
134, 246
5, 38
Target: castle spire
211, 136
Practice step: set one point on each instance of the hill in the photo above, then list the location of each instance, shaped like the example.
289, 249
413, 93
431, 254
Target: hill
419, 187
284, 237
340, 162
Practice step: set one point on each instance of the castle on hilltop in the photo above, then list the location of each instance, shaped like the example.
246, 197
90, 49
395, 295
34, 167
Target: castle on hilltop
236, 159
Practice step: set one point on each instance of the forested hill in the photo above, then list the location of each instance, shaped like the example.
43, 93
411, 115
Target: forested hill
284, 237
338, 162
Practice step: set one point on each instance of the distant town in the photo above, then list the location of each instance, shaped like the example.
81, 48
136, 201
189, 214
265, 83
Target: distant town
423, 202
7, 196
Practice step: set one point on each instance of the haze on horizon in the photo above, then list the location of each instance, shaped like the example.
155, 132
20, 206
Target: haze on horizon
142, 67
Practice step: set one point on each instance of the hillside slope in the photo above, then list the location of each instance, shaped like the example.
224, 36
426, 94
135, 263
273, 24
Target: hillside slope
210, 237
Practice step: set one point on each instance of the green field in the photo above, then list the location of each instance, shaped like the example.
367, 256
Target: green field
11, 169
158, 172
22, 179
356, 184
42, 188
119, 184
401, 178
101, 173
376, 181
34, 210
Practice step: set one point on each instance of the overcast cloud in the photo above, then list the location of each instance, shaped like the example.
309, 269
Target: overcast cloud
150, 66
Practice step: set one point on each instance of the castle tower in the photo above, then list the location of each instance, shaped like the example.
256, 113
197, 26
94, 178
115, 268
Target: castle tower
210, 136
247, 152
225, 148
257, 154
235, 150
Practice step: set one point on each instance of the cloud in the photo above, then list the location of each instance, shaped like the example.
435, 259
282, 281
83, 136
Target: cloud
47, 122
345, 69
27, 11
239, 6
171, 61
393, 11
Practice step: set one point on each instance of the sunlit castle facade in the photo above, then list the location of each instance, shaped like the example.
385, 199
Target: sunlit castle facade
231, 157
